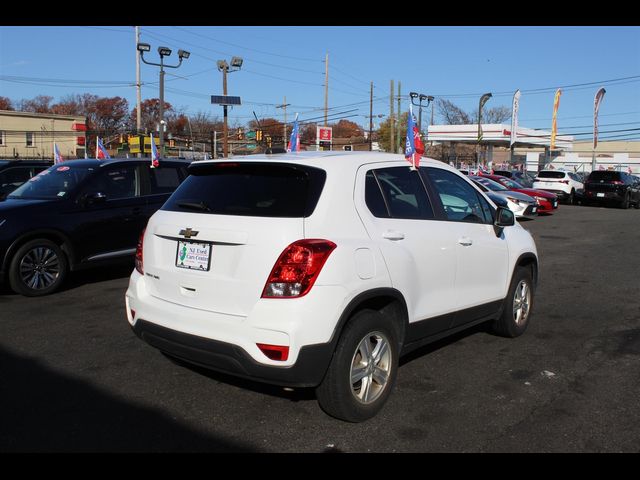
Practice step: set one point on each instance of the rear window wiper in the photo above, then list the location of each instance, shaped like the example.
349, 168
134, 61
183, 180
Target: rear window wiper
195, 206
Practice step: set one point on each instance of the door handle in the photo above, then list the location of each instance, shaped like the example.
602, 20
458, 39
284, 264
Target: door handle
393, 235
465, 241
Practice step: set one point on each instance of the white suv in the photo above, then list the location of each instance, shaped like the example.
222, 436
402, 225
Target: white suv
566, 185
319, 269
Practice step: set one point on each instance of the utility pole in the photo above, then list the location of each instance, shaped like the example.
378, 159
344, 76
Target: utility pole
138, 93
392, 123
284, 107
371, 118
399, 133
326, 88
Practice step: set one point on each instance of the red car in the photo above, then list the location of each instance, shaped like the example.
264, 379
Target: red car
546, 201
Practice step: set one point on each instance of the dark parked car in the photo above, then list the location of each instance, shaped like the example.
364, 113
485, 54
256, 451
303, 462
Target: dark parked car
608, 187
523, 178
14, 173
78, 214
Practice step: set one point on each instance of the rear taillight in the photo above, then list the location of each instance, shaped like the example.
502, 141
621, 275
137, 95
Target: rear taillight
617, 182
566, 182
297, 268
274, 352
139, 258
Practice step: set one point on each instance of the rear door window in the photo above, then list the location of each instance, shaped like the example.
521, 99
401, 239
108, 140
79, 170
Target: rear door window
249, 189
550, 174
403, 191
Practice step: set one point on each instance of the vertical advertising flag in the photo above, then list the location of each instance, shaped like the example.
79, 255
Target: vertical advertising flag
414, 147
596, 106
514, 118
554, 120
155, 157
483, 99
294, 139
57, 156
101, 152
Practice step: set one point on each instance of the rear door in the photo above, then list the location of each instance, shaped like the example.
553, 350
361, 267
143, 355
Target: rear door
110, 228
215, 241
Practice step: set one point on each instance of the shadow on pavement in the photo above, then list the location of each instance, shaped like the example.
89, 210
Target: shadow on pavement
44, 411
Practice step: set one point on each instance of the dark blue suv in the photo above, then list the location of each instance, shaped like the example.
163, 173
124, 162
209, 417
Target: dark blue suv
79, 214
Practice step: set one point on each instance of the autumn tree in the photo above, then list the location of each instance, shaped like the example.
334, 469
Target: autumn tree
39, 104
6, 104
269, 126
150, 114
308, 132
346, 129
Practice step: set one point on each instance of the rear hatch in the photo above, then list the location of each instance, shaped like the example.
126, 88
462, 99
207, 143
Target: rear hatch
604, 181
215, 241
551, 180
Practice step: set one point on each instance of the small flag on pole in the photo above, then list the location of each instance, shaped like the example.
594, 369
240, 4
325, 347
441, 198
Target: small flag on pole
155, 157
101, 152
294, 140
57, 156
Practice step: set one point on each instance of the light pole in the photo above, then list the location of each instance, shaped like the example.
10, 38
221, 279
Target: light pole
421, 97
163, 52
483, 100
224, 67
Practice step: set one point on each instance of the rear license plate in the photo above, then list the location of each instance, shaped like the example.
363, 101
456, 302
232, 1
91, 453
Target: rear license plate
195, 256
600, 194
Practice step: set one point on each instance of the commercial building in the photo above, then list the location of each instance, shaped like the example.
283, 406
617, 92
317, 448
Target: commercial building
27, 135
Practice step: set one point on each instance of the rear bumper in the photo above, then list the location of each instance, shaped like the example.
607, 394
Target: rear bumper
308, 371
613, 196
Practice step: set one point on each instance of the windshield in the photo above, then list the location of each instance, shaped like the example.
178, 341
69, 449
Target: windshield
54, 183
510, 183
490, 184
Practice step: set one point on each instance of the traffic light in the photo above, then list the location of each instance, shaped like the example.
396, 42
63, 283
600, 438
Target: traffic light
240, 134
258, 135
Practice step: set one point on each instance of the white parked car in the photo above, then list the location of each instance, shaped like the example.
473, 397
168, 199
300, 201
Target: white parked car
319, 269
566, 185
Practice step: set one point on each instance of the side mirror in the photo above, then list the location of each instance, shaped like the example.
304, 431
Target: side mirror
504, 218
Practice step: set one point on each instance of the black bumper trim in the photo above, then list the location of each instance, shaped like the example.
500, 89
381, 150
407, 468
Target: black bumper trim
308, 371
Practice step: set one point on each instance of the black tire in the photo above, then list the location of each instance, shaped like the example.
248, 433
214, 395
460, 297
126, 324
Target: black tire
37, 268
637, 204
357, 400
572, 197
517, 306
625, 203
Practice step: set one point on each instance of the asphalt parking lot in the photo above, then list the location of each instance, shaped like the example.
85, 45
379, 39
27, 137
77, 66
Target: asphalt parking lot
74, 377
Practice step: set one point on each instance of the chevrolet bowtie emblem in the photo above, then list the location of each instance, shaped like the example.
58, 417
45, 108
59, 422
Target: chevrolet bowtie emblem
188, 233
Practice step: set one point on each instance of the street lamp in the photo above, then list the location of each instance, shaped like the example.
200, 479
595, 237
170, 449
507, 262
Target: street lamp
224, 67
163, 52
421, 97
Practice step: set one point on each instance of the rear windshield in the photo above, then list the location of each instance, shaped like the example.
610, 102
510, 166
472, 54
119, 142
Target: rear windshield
249, 189
605, 175
550, 174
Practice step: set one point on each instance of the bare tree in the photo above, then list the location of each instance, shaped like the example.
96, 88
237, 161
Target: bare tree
451, 113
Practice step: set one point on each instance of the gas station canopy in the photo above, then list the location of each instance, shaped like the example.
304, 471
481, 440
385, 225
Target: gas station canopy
497, 134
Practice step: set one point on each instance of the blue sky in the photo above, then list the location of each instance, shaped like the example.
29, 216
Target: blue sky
456, 63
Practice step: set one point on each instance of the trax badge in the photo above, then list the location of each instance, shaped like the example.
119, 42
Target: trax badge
188, 233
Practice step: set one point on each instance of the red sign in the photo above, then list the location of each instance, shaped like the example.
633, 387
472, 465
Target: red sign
324, 134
